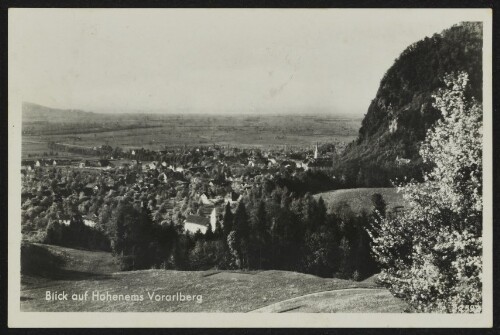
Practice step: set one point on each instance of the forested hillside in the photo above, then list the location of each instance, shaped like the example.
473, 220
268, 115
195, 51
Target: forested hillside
401, 113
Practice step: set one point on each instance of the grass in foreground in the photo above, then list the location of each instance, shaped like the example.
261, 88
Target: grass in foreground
222, 291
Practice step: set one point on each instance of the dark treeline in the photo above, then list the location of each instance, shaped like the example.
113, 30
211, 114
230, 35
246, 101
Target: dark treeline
267, 230
270, 228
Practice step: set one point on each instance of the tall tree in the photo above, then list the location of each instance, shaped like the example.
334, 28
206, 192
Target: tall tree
227, 223
241, 226
259, 238
439, 236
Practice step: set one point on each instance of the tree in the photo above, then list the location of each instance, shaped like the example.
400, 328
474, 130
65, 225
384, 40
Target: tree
209, 234
345, 270
227, 223
242, 229
379, 204
260, 238
134, 238
431, 254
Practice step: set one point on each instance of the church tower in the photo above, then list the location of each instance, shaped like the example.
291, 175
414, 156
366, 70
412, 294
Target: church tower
316, 151
213, 219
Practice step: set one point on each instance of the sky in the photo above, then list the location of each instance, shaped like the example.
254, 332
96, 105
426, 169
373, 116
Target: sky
213, 60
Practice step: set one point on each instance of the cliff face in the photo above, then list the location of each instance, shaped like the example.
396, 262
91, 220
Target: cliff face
401, 112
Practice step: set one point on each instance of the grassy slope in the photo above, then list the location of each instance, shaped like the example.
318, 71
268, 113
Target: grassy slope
223, 291
44, 264
360, 198
357, 300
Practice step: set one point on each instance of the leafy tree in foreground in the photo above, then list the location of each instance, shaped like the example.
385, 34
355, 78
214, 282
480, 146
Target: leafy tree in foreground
431, 254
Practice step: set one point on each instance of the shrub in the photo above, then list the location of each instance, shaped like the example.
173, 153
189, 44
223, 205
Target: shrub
431, 253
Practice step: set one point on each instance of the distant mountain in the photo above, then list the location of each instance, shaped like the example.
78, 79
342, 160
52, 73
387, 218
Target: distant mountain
401, 113
33, 113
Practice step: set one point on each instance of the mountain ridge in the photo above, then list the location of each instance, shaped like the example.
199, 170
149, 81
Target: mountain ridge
401, 113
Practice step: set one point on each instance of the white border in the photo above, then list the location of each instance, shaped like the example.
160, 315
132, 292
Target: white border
16, 318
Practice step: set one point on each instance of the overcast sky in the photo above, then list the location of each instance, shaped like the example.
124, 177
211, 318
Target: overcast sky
224, 61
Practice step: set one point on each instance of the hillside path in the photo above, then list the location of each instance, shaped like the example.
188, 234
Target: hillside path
352, 300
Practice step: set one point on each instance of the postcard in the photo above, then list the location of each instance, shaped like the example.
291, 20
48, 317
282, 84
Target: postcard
250, 167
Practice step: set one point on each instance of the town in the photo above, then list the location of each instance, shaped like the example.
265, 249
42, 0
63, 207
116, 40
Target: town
203, 179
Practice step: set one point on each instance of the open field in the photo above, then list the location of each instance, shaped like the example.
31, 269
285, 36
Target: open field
359, 199
221, 291
157, 131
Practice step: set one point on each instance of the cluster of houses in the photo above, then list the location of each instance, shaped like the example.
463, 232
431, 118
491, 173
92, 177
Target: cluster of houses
243, 165
96, 163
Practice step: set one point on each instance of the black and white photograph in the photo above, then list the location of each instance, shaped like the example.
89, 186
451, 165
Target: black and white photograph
303, 167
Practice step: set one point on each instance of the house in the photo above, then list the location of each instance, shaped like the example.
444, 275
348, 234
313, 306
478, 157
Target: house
163, 178
81, 165
90, 220
205, 201
153, 165
196, 223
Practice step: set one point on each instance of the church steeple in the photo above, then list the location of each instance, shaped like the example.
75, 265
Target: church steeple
213, 219
316, 151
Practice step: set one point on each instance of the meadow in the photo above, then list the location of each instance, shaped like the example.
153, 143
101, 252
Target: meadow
359, 199
222, 291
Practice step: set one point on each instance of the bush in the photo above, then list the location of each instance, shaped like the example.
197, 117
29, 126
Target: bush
39, 261
431, 254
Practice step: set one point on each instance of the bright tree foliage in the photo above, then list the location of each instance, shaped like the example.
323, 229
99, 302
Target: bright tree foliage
431, 255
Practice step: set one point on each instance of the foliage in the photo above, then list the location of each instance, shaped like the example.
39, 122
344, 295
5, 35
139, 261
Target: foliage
76, 234
431, 255
139, 243
36, 260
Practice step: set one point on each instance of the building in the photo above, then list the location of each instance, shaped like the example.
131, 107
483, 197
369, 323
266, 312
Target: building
205, 201
196, 223
213, 219
200, 223
163, 178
